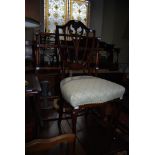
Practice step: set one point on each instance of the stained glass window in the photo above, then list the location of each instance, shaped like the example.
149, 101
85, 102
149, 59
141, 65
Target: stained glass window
58, 12
55, 14
79, 10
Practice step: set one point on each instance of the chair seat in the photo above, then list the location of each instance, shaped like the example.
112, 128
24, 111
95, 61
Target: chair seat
81, 90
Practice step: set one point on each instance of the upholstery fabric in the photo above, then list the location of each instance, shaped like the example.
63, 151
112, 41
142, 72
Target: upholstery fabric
80, 90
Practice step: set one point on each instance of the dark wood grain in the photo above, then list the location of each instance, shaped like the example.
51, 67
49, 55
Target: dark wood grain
39, 145
32, 9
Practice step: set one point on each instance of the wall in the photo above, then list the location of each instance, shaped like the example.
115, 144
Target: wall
121, 29
42, 15
96, 16
32, 10
29, 34
110, 19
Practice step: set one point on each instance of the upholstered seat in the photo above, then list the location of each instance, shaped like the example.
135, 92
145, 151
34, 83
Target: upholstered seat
80, 90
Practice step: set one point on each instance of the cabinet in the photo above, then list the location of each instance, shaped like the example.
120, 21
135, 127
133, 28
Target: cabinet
32, 9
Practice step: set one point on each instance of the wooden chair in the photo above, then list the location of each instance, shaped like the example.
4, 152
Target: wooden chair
78, 45
43, 146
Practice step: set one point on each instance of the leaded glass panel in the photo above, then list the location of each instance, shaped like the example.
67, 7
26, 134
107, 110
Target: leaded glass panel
55, 14
58, 12
79, 10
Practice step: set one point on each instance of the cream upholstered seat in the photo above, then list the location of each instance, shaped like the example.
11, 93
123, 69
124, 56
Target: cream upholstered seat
80, 90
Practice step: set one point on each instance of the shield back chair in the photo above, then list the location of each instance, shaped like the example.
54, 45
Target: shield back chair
51, 145
77, 45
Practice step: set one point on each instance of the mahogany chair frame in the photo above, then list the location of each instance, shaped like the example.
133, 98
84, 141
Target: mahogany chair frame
70, 31
76, 44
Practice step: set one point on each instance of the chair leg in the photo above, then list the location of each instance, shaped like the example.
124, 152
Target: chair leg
113, 135
60, 116
74, 120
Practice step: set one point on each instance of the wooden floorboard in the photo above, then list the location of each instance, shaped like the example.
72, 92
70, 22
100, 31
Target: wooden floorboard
66, 128
91, 139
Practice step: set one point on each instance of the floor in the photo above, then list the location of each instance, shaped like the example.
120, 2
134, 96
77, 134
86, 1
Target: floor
93, 136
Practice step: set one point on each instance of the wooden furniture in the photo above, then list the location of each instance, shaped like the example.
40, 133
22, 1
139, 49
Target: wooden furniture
29, 54
77, 45
40, 145
32, 9
108, 56
49, 78
46, 48
33, 86
32, 113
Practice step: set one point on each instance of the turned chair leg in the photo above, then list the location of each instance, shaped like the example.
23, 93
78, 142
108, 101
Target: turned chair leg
60, 116
74, 120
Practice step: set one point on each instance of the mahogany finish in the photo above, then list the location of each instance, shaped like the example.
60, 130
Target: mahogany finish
46, 41
38, 145
32, 9
77, 45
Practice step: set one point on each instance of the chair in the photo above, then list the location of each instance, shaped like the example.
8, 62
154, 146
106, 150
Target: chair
78, 45
38, 146
74, 40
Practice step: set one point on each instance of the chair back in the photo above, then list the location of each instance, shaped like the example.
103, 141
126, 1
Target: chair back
76, 44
